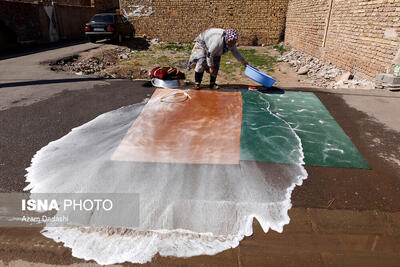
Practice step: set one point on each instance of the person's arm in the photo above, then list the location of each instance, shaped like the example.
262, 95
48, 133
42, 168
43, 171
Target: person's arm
238, 56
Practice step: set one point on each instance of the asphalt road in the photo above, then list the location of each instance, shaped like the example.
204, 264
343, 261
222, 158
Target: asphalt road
339, 215
26, 78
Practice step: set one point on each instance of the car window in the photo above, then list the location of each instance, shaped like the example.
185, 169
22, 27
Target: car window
103, 18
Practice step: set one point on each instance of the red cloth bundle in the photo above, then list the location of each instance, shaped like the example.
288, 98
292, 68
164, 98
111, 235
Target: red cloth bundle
167, 73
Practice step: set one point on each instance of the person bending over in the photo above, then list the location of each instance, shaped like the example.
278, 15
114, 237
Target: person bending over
208, 48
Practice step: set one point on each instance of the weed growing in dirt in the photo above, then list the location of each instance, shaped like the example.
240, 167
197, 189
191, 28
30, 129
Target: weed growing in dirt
140, 62
281, 49
256, 59
163, 60
177, 47
170, 54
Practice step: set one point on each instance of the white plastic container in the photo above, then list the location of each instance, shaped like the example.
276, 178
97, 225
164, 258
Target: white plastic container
172, 84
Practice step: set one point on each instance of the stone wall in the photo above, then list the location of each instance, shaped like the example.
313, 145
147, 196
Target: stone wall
258, 22
361, 36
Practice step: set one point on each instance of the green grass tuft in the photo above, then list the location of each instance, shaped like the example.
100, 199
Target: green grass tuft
252, 56
177, 47
281, 49
163, 60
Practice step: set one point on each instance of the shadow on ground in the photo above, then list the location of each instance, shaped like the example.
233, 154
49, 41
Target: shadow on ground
233, 87
19, 50
38, 82
136, 43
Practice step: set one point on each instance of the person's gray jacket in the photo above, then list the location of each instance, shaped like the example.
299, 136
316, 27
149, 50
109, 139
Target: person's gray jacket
214, 43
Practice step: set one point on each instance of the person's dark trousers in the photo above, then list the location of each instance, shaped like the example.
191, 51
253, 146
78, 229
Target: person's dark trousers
198, 76
213, 78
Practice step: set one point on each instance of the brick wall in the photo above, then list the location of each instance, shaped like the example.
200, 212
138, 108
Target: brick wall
305, 25
362, 35
258, 22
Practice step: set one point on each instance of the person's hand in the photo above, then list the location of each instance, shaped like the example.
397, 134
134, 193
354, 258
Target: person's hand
212, 71
244, 62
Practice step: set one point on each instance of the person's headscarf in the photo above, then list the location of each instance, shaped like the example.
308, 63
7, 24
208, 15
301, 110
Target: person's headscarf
230, 35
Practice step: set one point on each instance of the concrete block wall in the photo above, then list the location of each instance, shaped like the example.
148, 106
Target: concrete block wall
25, 19
73, 2
363, 36
30, 24
60, 2
71, 27
106, 5
258, 22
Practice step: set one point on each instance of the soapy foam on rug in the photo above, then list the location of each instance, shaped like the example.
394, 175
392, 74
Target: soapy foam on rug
185, 209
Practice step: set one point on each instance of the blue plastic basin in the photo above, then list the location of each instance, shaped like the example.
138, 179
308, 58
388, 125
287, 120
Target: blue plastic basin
259, 76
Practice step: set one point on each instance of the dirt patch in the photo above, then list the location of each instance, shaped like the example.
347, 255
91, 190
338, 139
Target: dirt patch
105, 62
134, 59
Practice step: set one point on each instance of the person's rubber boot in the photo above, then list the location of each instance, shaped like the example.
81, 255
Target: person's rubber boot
213, 85
198, 76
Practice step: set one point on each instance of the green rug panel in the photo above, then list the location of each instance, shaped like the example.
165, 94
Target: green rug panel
266, 136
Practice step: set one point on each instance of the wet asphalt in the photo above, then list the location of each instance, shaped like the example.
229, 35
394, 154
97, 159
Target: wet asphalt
26, 129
